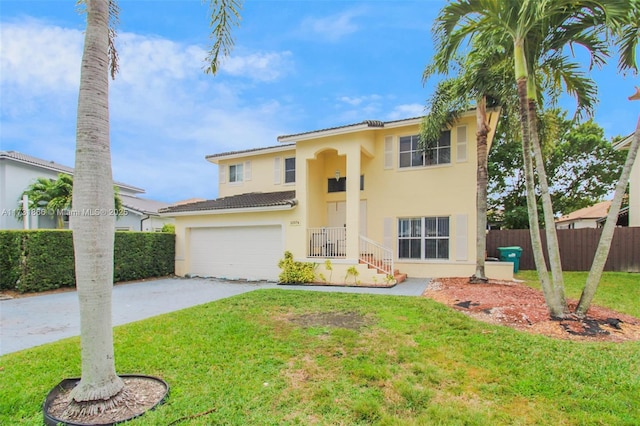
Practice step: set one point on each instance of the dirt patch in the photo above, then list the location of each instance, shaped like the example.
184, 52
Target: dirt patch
349, 320
521, 307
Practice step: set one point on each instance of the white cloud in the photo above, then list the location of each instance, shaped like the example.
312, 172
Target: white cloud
166, 113
144, 58
331, 28
36, 56
263, 66
359, 100
400, 112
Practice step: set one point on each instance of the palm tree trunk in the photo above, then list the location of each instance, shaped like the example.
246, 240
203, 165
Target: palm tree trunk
553, 248
602, 252
555, 308
481, 192
93, 227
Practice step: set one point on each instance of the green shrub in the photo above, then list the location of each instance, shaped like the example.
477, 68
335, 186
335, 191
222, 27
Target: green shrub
39, 260
169, 227
139, 255
10, 253
296, 272
47, 261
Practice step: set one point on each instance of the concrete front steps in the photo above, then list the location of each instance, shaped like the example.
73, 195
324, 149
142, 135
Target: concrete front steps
397, 275
356, 275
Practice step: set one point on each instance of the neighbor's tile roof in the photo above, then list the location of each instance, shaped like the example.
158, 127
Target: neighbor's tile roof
52, 165
242, 201
24, 158
596, 211
142, 205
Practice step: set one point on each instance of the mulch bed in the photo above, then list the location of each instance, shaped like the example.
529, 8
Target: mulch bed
516, 305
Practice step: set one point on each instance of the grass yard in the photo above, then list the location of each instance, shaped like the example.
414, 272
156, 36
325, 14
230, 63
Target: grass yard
269, 357
617, 290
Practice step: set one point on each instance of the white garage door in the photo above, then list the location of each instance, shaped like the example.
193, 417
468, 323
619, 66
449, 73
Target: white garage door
244, 252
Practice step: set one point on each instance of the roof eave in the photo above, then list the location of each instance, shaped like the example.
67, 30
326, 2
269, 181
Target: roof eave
229, 211
216, 158
325, 133
623, 143
366, 125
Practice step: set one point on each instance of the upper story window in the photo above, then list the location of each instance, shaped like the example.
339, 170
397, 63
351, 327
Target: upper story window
411, 155
236, 173
290, 170
340, 185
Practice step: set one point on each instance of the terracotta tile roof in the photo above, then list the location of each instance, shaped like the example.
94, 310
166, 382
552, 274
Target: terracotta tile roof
366, 123
242, 201
245, 151
596, 211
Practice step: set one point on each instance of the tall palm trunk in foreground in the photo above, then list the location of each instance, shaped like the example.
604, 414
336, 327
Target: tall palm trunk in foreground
91, 221
602, 252
482, 176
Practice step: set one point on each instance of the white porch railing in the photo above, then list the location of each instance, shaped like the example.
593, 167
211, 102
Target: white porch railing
327, 242
332, 243
376, 255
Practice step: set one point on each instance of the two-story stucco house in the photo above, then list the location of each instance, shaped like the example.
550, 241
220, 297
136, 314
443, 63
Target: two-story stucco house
357, 194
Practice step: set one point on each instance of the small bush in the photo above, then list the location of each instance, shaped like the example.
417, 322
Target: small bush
296, 272
169, 227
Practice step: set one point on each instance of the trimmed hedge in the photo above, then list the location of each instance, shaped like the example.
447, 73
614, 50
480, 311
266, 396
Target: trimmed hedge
39, 260
10, 250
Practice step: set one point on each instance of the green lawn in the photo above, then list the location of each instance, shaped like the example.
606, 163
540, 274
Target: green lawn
617, 290
414, 362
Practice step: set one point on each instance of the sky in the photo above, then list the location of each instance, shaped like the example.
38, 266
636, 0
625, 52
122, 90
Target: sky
296, 66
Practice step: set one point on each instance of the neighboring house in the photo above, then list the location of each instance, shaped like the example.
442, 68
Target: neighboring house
142, 214
623, 218
584, 218
18, 171
634, 183
352, 194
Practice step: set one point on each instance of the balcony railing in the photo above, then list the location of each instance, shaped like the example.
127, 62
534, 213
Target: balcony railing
327, 242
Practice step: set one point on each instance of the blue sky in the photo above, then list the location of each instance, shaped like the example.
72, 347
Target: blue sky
297, 66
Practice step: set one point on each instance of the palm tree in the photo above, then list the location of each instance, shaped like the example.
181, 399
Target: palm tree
42, 195
627, 35
600, 258
534, 32
54, 197
93, 236
482, 75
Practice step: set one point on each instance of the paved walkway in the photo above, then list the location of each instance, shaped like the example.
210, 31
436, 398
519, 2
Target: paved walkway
32, 321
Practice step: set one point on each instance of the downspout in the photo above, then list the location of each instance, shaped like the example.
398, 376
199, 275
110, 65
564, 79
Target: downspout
141, 222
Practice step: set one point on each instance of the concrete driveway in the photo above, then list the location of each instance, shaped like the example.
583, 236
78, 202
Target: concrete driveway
32, 321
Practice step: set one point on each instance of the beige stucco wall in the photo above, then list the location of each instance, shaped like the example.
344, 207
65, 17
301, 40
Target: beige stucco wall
390, 193
634, 194
262, 174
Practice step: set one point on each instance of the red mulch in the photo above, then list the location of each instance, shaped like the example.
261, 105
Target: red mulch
521, 307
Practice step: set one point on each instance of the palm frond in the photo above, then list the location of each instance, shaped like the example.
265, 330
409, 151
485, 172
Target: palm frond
225, 14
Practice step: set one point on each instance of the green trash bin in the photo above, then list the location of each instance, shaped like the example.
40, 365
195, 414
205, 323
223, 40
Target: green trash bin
511, 254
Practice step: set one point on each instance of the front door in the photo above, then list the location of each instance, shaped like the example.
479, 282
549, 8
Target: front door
337, 215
